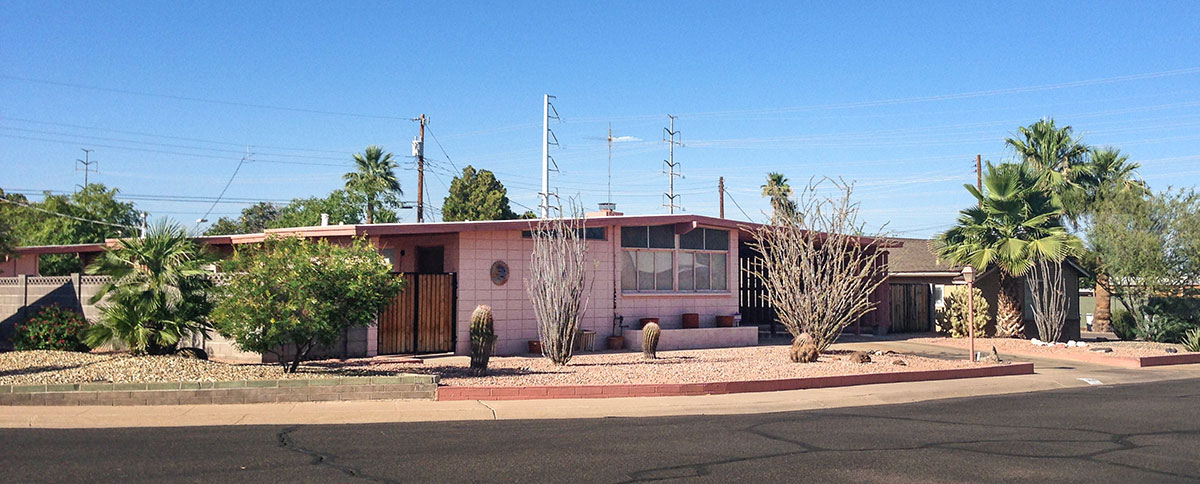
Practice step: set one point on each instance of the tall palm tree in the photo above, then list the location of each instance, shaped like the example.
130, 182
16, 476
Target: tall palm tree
1109, 169
374, 176
1013, 225
1056, 155
780, 193
158, 292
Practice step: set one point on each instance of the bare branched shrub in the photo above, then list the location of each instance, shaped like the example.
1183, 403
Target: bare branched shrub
819, 269
557, 276
1050, 303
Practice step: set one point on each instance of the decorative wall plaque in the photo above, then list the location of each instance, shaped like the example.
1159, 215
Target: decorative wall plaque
499, 273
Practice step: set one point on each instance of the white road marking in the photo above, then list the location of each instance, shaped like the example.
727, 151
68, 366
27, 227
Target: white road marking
1091, 381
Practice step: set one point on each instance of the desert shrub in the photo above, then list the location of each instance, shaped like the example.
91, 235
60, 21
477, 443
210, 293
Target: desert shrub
289, 295
1191, 340
1168, 319
1124, 325
51, 328
952, 318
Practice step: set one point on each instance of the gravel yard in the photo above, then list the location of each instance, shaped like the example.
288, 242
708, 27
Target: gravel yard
685, 366
39, 367
1126, 349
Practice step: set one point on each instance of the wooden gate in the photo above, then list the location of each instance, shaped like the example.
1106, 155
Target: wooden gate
753, 304
910, 308
421, 319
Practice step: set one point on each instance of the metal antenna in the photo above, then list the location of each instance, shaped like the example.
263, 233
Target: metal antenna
669, 136
547, 136
87, 163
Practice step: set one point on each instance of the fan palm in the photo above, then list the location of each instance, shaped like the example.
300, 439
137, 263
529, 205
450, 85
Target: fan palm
1055, 154
780, 193
1109, 170
1014, 225
374, 177
158, 292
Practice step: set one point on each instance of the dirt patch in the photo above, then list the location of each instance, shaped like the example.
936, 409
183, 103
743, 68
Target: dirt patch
684, 366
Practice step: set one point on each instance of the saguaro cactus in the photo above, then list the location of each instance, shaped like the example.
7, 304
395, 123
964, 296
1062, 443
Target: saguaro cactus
482, 337
650, 333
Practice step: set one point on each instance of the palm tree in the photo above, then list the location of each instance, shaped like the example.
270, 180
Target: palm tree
1055, 154
1108, 170
374, 176
780, 193
1013, 225
158, 292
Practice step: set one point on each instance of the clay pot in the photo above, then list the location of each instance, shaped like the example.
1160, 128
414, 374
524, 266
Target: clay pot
645, 321
616, 342
725, 321
691, 320
535, 347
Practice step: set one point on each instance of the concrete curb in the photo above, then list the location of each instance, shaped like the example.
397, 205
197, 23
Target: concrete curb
448, 393
1101, 358
223, 392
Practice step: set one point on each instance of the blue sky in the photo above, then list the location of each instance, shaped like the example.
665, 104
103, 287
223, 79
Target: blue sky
896, 97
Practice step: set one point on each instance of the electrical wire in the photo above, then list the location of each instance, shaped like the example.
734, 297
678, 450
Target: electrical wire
72, 217
739, 207
439, 145
222, 194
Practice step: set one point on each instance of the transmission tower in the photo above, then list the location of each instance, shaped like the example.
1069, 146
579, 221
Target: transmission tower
548, 138
671, 136
87, 163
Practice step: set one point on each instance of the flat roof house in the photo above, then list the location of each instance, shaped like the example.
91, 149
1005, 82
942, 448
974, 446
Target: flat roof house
646, 266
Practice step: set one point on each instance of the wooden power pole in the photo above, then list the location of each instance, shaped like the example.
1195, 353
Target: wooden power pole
421, 172
979, 176
721, 189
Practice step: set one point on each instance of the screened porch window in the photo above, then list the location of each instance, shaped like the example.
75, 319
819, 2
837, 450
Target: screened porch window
654, 259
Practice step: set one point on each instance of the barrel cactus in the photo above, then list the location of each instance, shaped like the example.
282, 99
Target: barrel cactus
650, 333
803, 349
482, 337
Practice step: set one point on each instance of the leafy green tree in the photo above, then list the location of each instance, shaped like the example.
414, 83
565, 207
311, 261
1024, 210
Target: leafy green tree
375, 179
476, 195
42, 225
289, 295
780, 193
1148, 244
254, 219
342, 207
1014, 225
158, 293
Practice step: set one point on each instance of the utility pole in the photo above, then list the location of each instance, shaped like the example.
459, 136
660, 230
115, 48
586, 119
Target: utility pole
670, 135
979, 176
419, 152
721, 190
87, 163
143, 228
547, 136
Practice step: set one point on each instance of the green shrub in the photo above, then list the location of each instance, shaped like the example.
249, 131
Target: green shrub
952, 318
1168, 319
289, 295
51, 328
1124, 324
1191, 340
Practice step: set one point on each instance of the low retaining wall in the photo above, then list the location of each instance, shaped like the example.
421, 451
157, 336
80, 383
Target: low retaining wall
696, 338
413, 387
684, 389
1100, 358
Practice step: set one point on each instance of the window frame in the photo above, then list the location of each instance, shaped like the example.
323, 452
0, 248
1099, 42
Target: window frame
676, 253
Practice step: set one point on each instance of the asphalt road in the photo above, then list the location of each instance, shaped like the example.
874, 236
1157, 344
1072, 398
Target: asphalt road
1132, 433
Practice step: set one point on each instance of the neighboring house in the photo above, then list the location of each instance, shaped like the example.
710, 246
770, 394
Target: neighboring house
652, 266
918, 281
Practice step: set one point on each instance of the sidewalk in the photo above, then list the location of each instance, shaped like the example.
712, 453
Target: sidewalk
1051, 374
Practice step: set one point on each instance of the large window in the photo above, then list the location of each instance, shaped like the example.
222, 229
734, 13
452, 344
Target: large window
654, 259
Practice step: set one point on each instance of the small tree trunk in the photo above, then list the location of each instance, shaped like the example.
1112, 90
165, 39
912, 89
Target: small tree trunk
1102, 318
1010, 312
370, 211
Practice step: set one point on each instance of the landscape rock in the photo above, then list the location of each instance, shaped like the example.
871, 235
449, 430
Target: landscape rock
1171, 350
899, 363
194, 353
1102, 350
860, 357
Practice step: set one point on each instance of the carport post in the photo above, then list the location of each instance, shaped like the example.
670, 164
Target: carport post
969, 275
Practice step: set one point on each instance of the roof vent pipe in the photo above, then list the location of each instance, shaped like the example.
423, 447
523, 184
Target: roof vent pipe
324, 219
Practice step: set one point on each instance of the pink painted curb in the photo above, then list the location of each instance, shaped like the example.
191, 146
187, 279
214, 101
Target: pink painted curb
720, 388
1101, 358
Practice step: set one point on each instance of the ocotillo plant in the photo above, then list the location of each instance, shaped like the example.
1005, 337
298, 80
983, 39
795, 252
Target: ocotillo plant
482, 336
650, 334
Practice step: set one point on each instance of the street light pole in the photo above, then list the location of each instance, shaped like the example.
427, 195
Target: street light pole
968, 273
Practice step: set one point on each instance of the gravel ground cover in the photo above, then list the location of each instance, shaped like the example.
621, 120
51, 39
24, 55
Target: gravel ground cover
685, 366
46, 367
1126, 349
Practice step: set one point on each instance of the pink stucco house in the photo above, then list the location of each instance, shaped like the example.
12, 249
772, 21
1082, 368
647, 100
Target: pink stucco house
646, 266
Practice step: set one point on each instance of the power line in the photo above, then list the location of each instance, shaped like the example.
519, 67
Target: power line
72, 217
204, 218
168, 152
739, 207
197, 99
439, 145
166, 145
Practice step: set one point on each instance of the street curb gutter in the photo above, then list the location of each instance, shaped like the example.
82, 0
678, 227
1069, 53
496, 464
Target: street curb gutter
655, 390
422, 387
